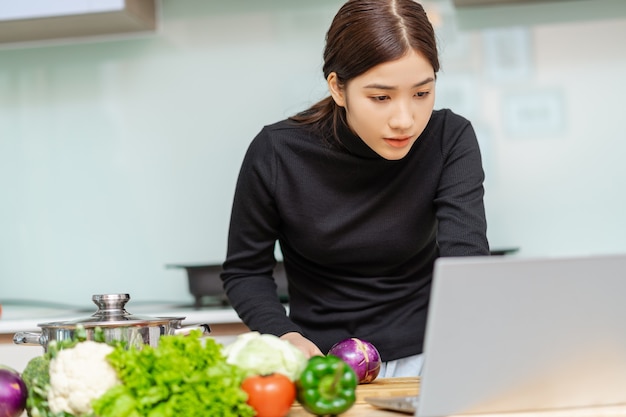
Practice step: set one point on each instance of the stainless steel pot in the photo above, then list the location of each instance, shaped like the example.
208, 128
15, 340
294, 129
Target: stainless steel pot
116, 323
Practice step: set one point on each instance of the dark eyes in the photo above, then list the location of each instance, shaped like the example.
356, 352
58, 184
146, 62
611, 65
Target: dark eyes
419, 94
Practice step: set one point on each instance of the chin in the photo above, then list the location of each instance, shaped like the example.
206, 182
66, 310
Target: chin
394, 155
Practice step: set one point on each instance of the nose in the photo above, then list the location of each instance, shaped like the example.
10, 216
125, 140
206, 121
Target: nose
401, 117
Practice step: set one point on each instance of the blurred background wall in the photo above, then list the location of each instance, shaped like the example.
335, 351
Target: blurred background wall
119, 155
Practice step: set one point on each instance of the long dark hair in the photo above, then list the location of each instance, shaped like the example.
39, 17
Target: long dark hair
363, 34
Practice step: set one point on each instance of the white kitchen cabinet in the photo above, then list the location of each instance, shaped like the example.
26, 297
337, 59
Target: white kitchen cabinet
43, 20
17, 356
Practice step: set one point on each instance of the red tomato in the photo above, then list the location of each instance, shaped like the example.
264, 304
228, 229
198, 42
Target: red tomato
270, 395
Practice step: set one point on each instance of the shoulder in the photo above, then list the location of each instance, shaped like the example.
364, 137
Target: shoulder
285, 127
282, 143
286, 138
447, 120
281, 133
451, 130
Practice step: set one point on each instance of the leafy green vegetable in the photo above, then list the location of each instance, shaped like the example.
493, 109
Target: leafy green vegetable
264, 354
182, 376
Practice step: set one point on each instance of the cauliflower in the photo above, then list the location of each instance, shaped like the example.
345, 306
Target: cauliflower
78, 376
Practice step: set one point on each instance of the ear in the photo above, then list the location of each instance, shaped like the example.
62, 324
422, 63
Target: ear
336, 91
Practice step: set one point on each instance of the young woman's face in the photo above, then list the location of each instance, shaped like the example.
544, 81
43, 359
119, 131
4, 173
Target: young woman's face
389, 106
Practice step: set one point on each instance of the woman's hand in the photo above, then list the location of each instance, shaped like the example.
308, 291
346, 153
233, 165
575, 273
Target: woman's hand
305, 345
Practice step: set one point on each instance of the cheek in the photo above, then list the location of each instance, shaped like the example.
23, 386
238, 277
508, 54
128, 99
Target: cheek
363, 114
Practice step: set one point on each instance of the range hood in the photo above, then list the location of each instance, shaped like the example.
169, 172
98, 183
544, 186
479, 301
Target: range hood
37, 20
487, 14
469, 3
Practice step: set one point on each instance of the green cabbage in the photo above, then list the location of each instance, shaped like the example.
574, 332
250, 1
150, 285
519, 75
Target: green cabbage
264, 354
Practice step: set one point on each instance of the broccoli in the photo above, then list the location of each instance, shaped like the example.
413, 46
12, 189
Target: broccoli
36, 376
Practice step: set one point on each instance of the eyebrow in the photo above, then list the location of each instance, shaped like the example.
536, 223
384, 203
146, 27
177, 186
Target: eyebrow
389, 87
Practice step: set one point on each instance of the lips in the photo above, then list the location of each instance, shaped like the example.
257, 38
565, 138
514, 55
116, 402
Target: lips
398, 142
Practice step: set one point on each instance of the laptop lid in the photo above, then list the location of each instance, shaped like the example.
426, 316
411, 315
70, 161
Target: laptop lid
513, 334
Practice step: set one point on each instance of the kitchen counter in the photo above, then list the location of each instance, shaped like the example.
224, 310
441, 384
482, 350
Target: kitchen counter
366, 410
21, 318
224, 322
389, 387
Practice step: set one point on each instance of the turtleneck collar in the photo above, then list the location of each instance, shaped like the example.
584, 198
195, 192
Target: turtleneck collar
354, 144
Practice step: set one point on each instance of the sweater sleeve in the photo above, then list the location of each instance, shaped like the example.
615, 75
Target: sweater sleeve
247, 270
462, 225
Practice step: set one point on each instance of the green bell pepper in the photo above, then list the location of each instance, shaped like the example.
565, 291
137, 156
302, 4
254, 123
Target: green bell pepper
327, 386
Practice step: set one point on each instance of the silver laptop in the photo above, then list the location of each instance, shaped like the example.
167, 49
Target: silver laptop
513, 334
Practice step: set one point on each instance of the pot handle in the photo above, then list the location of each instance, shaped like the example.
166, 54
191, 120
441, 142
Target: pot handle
185, 330
29, 338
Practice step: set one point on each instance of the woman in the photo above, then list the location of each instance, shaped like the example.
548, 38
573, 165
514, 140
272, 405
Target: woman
363, 191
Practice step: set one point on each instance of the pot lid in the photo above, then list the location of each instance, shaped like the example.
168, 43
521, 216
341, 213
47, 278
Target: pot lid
111, 313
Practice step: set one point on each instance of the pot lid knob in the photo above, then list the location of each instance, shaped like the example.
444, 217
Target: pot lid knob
111, 304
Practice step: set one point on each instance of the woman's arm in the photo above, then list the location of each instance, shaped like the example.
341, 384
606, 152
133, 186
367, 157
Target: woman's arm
247, 274
462, 225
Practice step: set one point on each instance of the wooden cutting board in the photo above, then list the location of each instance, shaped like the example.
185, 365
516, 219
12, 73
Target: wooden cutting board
387, 387
383, 387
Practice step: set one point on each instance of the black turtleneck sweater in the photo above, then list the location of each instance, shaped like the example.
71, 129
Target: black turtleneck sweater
358, 233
